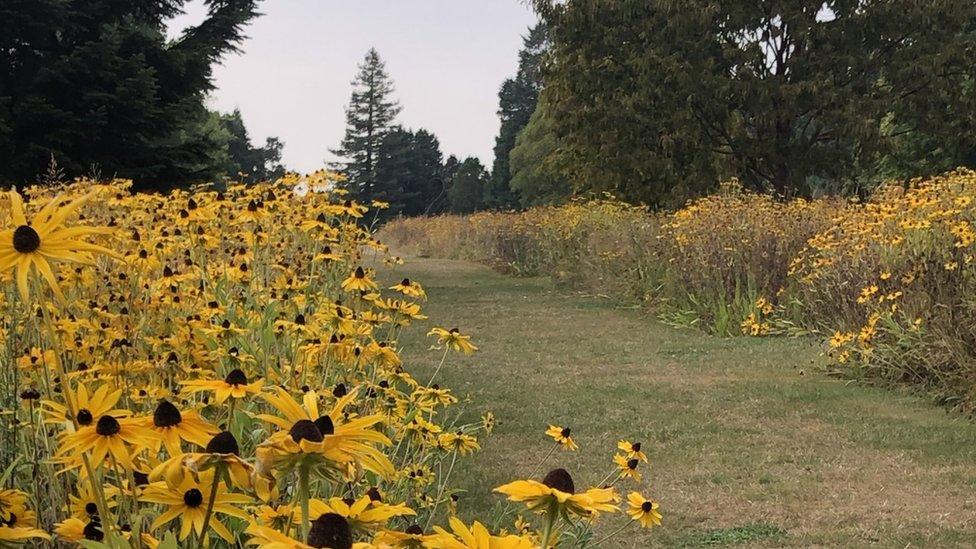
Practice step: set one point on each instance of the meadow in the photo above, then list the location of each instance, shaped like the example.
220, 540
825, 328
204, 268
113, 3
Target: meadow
884, 284
221, 367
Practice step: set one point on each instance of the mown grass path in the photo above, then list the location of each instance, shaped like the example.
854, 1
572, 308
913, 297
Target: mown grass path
748, 443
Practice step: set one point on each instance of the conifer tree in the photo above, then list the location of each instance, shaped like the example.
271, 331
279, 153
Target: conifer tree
369, 119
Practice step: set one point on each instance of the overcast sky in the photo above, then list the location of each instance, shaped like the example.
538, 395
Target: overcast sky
447, 59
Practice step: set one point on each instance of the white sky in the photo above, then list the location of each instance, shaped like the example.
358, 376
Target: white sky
447, 59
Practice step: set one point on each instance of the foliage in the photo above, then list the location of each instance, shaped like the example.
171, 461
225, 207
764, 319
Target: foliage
887, 282
537, 165
408, 169
97, 85
652, 99
516, 102
467, 190
246, 160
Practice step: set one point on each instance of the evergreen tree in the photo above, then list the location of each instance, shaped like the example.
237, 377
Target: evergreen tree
467, 190
255, 163
408, 172
516, 102
97, 83
369, 118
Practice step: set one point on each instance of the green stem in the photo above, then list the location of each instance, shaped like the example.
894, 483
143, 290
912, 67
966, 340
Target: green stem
303, 495
552, 515
218, 474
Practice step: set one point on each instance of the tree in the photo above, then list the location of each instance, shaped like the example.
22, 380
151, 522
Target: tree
537, 165
656, 98
408, 172
97, 83
466, 194
257, 163
369, 118
516, 102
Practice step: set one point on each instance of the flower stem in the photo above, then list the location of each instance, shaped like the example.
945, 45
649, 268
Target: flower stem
210, 504
552, 515
303, 495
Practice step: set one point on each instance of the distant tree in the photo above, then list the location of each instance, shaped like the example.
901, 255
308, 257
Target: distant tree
369, 118
97, 83
537, 165
408, 172
467, 190
656, 98
257, 163
516, 102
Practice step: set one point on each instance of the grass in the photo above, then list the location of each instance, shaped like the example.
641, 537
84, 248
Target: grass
750, 444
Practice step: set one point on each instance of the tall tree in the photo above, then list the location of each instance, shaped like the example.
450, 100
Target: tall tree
537, 164
467, 190
255, 163
654, 98
98, 83
516, 102
369, 118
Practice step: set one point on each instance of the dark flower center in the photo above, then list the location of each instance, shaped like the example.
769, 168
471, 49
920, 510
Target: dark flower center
325, 426
166, 415
561, 480
405, 282
26, 239
91, 509
647, 506
415, 530
305, 429
107, 426
193, 497
339, 391
635, 447
360, 273
84, 417
374, 494
93, 530
565, 432
632, 464
330, 531
224, 443
236, 377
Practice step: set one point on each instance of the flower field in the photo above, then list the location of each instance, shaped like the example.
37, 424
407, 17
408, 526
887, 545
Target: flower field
885, 282
220, 368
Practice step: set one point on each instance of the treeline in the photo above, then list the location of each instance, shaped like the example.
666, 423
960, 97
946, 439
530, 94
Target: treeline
95, 88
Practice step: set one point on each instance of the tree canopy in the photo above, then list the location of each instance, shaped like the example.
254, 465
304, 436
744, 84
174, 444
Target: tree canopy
97, 85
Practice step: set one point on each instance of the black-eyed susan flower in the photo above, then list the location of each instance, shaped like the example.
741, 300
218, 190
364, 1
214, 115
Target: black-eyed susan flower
189, 502
410, 288
643, 510
34, 244
18, 524
235, 385
562, 436
327, 531
90, 405
108, 437
454, 339
632, 450
557, 494
627, 467
171, 426
359, 281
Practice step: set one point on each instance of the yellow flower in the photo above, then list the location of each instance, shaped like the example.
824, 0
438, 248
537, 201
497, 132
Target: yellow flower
453, 339
562, 436
32, 245
476, 537
643, 510
358, 281
189, 502
234, 385
557, 493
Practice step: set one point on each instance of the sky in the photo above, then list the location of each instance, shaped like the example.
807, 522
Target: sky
447, 59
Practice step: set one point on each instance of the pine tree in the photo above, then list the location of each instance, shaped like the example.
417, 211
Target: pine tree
468, 186
516, 102
408, 172
369, 118
98, 83
255, 163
